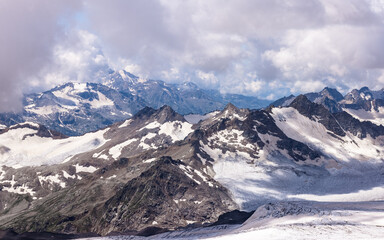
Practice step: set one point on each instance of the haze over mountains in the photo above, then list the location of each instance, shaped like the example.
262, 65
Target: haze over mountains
157, 119
155, 170
70, 107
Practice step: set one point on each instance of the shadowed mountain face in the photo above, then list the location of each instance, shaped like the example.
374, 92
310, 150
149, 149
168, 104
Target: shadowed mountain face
78, 108
183, 98
156, 171
363, 99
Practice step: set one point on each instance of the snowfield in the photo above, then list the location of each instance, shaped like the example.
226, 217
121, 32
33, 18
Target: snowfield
350, 169
338, 194
195, 118
20, 148
315, 135
376, 117
312, 220
293, 220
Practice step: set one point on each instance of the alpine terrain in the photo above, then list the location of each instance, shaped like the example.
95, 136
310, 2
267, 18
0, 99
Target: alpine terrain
304, 164
77, 108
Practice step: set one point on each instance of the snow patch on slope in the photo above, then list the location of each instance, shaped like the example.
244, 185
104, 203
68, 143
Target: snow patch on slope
151, 125
195, 118
89, 169
189, 172
372, 116
51, 179
46, 110
374, 194
126, 123
144, 145
115, 151
286, 220
176, 130
316, 136
149, 160
28, 151
234, 172
312, 221
72, 99
17, 188
232, 137
67, 175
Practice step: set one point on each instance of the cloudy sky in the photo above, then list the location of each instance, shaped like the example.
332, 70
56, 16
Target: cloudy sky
265, 48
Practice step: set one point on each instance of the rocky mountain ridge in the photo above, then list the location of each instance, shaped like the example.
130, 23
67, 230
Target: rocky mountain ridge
78, 108
158, 170
334, 101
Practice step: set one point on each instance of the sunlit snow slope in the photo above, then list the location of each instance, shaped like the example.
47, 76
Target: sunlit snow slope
20, 146
300, 152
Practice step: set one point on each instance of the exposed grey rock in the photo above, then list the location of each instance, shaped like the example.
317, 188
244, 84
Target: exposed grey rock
75, 109
334, 101
167, 183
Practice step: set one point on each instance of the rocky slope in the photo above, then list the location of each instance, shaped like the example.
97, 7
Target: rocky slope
156, 170
137, 171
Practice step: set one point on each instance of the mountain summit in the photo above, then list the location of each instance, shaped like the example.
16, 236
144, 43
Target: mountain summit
370, 102
68, 108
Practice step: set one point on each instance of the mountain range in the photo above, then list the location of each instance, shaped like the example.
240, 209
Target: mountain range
363, 104
77, 108
156, 171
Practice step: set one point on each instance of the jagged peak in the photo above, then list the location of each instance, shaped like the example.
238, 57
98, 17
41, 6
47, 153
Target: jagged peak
332, 93
317, 112
190, 84
120, 77
124, 74
302, 104
60, 87
166, 109
166, 113
283, 102
356, 92
364, 89
231, 111
145, 112
301, 99
163, 114
230, 107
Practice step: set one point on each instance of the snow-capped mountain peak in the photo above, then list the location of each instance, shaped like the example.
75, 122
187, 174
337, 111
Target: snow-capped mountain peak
332, 94
156, 166
66, 108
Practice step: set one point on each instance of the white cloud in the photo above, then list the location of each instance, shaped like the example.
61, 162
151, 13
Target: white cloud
254, 86
307, 86
208, 78
380, 79
28, 32
79, 59
287, 41
257, 47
